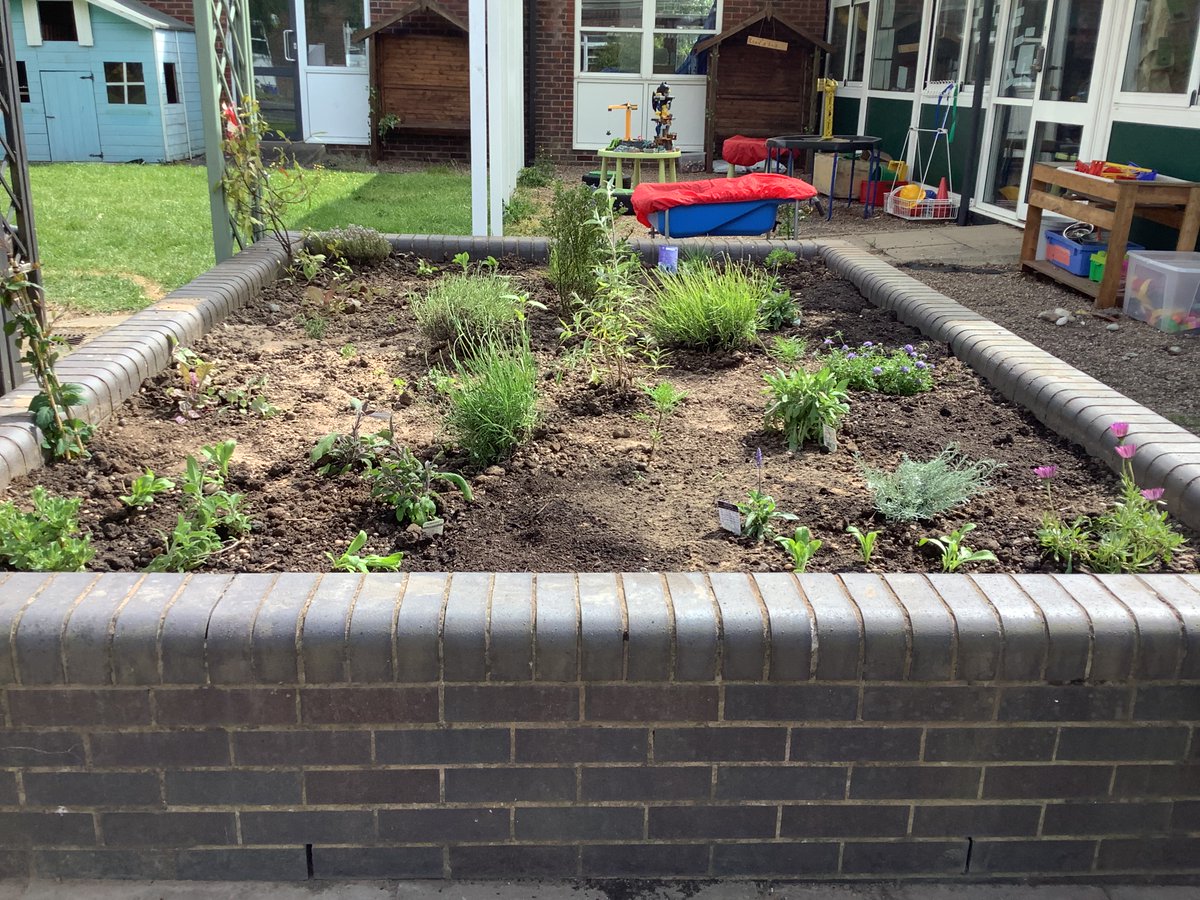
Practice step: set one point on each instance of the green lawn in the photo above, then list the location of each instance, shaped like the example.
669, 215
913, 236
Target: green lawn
115, 237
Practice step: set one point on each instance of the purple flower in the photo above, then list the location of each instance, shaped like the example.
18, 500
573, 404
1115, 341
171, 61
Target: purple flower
908, 348
1119, 430
905, 369
868, 344
921, 365
878, 370
828, 342
851, 356
1153, 493
1126, 451
1045, 472
845, 347
758, 458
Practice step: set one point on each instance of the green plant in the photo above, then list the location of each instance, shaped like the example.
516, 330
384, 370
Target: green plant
355, 244
188, 546
348, 351
921, 490
776, 308
705, 306
308, 264
802, 546
61, 432
467, 311
779, 258
759, 509
45, 540
337, 453
576, 236
386, 123
493, 400
350, 561
197, 390
665, 399
1066, 543
540, 174
425, 268
787, 350
405, 483
870, 367
519, 207
145, 488
260, 193
249, 399
314, 325
866, 542
802, 404
956, 554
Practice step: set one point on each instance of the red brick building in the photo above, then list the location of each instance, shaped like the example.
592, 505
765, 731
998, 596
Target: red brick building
581, 56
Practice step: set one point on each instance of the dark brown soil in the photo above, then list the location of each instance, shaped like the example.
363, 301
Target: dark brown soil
583, 493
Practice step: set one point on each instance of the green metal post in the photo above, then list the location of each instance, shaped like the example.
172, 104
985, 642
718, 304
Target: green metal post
210, 109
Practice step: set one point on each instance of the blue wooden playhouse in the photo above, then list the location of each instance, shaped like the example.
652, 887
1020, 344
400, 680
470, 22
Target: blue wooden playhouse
110, 80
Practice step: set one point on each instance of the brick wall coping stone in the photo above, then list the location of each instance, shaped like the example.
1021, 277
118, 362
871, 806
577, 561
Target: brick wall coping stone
129, 630
1080, 408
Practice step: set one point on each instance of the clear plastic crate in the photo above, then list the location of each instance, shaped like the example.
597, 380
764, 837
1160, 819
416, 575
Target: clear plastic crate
926, 209
1162, 288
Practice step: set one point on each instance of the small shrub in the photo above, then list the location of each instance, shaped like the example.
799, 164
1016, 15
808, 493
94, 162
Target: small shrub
787, 350
921, 490
45, 540
803, 403
777, 308
665, 398
405, 483
779, 258
493, 402
314, 326
870, 367
355, 244
576, 241
801, 547
337, 453
468, 311
759, 509
706, 307
519, 207
540, 174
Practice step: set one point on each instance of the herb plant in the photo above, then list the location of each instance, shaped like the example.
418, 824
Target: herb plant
759, 509
802, 404
787, 350
337, 453
350, 561
802, 546
921, 490
576, 245
196, 391
314, 325
355, 244
776, 308
779, 258
706, 307
956, 554
145, 488
493, 400
405, 483
869, 367
665, 399
212, 515
866, 542
469, 310
45, 540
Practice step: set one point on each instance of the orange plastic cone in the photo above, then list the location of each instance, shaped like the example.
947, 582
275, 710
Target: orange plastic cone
943, 190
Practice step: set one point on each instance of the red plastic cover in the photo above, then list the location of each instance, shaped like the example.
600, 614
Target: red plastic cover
740, 150
651, 197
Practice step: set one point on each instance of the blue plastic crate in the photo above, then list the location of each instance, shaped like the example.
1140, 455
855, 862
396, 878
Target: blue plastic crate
740, 219
1076, 256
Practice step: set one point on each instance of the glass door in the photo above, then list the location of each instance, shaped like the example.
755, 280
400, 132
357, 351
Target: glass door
276, 70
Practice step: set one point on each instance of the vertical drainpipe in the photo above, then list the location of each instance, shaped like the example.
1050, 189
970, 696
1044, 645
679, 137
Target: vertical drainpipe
975, 144
531, 46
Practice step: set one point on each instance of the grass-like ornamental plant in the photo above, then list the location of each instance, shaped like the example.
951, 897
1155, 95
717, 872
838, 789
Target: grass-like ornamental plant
355, 244
493, 400
706, 307
350, 561
576, 244
45, 540
802, 403
787, 350
921, 490
468, 310
870, 367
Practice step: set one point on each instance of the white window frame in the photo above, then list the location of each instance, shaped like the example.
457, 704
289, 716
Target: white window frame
919, 68
647, 31
1180, 108
125, 83
851, 88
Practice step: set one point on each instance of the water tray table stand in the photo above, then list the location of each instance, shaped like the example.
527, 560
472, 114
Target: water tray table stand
1168, 201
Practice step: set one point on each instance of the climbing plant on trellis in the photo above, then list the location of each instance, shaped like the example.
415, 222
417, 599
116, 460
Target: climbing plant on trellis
226, 86
16, 212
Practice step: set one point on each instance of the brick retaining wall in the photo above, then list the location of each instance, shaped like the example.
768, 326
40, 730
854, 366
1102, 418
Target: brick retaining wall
696, 726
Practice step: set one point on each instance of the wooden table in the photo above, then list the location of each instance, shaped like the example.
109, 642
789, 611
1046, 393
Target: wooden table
666, 161
1168, 201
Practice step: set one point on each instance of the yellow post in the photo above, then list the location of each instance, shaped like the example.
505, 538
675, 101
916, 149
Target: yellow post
829, 87
629, 108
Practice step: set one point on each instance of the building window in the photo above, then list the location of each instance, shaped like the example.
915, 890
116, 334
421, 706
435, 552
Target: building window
125, 83
644, 37
1162, 47
329, 25
23, 81
57, 18
170, 81
897, 42
945, 48
848, 35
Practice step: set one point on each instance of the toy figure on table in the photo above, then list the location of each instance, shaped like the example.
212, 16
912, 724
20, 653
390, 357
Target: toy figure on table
629, 143
661, 101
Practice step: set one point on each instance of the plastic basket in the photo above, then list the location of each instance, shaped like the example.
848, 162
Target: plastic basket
926, 209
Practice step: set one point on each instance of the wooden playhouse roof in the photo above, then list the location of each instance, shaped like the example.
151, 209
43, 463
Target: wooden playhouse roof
418, 6
766, 14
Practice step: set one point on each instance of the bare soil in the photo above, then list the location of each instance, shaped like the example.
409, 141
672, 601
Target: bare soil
584, 493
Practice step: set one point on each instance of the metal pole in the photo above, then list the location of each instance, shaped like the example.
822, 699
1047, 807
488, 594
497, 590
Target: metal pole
974, 147
210, 112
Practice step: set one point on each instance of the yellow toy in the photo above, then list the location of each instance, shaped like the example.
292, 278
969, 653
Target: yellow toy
629, 108
829, 87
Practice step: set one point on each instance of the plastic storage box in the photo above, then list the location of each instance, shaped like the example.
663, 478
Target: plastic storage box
1075, 256
1163, 289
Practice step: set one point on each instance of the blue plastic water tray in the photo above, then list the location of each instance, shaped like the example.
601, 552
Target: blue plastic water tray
741, 219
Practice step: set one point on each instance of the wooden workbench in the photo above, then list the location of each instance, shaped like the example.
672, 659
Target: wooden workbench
1168, 201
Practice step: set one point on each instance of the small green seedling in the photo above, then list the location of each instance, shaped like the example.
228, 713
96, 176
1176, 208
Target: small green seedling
955, 553
350, 561
463, 259
665, 398
866, 542
787, 350
145, 488
802, 547
405, 483
348, 351
426, 268
759, 509
45, 540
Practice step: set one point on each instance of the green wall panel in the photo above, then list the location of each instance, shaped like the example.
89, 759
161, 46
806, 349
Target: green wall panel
1170, 151
889, 119
959, 147
845, 114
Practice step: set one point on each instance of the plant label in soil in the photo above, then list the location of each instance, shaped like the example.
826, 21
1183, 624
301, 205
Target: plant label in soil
729, 517
829, 438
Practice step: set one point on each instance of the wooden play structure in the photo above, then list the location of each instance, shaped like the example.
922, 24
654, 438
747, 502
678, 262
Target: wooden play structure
420, 83
762, 77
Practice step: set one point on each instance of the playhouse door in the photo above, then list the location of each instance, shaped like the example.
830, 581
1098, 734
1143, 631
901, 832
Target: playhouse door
71, 116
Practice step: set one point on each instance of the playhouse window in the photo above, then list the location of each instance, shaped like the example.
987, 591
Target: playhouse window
171, 83
23, 81
125, 83
1162, 47
57, 18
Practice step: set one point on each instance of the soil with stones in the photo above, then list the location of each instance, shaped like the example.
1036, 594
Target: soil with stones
584, 493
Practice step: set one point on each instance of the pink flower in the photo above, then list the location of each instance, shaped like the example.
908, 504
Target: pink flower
1045, 471
1153, 493
1119, 429
1126, 451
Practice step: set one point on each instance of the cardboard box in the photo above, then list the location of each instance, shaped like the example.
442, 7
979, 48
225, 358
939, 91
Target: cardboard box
846, 185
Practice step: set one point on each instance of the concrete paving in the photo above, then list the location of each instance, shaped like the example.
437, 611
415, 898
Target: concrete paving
971, 246
541, 890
